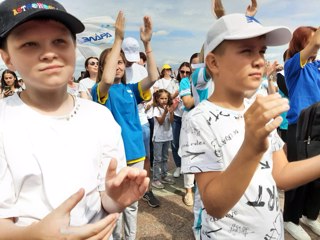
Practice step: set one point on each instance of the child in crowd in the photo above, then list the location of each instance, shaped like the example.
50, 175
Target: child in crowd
62, 182
122, 98
135, 73
162, 137
234, 149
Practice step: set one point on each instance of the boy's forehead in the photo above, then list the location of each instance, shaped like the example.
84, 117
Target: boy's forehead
250, 42
33, 26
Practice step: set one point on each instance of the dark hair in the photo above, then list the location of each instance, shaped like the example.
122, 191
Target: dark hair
299, 40
157, 94
3, 43
284, 56
195, 55
102, 60
184, 64
3, 82
86, 63
143, 56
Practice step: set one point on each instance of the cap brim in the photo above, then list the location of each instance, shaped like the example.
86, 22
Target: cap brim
275, 36
71, 22
132, 57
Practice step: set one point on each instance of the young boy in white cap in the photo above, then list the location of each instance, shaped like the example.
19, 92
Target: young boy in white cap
64, 178
234, 149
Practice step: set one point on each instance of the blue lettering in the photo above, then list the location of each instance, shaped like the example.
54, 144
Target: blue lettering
96, 37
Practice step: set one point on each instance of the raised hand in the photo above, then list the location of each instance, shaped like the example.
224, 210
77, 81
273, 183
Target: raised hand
56, 224
262, 118
252, 9
146, 29
272, 68
217, 8
120, 26
126, 187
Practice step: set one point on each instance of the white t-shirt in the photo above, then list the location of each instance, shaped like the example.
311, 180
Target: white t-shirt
85, 85
50, 158
135, 74
162, 133
210, 138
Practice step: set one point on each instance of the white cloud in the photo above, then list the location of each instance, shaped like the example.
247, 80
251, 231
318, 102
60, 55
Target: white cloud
161, 33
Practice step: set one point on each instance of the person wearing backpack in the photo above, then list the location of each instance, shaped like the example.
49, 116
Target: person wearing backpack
303, 83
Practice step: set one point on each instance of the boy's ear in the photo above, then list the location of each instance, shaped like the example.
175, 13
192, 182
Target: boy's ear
7, 60
212, 63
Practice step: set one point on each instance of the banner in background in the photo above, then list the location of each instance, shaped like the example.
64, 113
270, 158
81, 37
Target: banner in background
97, 36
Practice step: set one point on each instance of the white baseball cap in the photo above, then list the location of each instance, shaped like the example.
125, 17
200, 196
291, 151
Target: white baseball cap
131, 49
239, 26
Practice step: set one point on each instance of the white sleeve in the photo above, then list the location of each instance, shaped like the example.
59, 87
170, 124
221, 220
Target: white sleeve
112, 147
82, 87
7, 191
156, 112
198, 149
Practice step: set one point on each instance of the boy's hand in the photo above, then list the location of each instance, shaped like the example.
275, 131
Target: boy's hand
146, 30
56, 224
120, 26
262, 118
126, 187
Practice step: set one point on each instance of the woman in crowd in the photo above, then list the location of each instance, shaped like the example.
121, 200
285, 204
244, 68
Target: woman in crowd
122, 99
9, 84
303, 82
89, 78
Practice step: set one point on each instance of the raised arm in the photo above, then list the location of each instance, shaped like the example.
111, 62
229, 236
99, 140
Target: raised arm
312, 48
217, 8
271, 76
252, 9
111, 61
146, 35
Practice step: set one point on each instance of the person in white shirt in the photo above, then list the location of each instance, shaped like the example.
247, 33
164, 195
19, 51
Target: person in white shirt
66, 181
89, 78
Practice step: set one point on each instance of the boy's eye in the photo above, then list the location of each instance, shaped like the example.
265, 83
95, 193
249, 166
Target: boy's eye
29, 44
263, 51
246, 51
59, 41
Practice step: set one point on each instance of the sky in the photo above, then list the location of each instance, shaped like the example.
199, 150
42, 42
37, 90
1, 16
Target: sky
180, 26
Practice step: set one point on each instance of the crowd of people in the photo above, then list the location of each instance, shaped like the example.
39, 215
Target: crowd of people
92, 148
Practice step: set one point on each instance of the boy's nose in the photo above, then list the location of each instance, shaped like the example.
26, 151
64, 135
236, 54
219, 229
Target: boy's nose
259, 61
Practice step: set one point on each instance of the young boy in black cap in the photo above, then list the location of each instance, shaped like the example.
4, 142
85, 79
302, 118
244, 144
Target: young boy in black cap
234, 149
57, 156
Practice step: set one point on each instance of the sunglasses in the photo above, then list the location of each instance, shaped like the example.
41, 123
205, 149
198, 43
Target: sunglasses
185, 72
93, 63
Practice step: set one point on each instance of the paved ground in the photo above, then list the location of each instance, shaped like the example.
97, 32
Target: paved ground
173, 219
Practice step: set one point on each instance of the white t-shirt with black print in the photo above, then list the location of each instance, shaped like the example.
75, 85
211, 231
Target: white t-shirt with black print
210, 138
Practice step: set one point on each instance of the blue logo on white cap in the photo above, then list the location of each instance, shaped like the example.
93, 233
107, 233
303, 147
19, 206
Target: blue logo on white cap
252, 19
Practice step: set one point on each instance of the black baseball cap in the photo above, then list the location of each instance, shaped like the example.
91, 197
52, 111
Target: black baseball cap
16, 12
